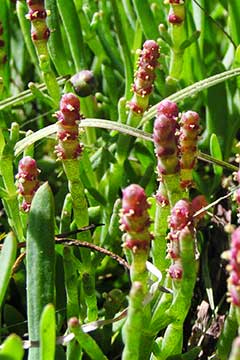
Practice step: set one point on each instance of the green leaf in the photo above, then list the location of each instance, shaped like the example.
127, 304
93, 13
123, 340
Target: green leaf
234, 15
12, 348
97, 196
47, 333
190, 40
216, 152
7, 258
40, 261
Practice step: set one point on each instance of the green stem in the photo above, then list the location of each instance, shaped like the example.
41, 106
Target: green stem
159, 245
229, 332
6, 171
86, 341
80, 209
178, 36
138, 313
174, 191
76, 188
134, 324
183, 291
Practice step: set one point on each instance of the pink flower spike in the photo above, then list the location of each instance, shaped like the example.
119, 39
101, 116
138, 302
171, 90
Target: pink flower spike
134, 200
176, 271
180, 215
167, 108
134, 219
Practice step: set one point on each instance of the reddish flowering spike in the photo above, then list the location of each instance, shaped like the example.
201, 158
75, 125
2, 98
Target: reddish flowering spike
177, 13
167, 108
234, 268
180, 215
150, 52
173, 246
198, 203
67, 128
69, 102
28, 183
133, 106
235, 296
147, 64
237, 193
164, 128
134, 200
236, 239
37, 15
166, 144
135, 219
27, 168
162, 199
176, 271
136, 244
189, 131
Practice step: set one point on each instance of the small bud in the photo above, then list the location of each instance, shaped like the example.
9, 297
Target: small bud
175, 271
73, 322
198, 203
177, 12
174, 19
84, 83
166, 144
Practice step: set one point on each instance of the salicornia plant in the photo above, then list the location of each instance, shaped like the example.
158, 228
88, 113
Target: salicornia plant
119, 122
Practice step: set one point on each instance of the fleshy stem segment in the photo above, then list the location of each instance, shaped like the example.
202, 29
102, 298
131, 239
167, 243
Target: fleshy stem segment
142, 88
135, 222
183, 273
9, 197
176, 19
68, 151
40, 33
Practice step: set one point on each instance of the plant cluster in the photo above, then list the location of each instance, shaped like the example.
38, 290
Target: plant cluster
119, 180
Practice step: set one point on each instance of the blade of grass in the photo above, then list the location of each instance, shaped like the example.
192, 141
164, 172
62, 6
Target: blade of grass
7, 258
193, 89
